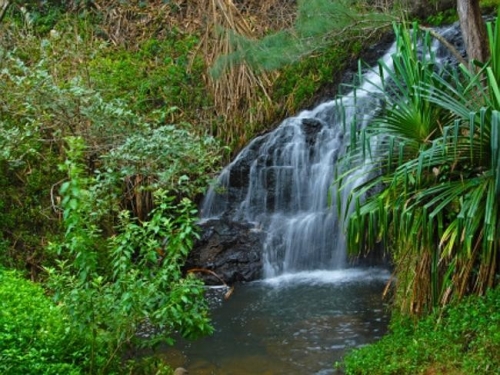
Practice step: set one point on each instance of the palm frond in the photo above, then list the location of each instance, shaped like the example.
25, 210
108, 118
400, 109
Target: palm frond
438, 181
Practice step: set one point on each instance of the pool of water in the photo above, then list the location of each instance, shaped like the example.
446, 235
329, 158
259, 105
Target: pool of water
292, 324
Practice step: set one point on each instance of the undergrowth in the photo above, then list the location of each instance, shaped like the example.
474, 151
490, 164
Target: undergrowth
36, 337
299, 82
155, 74
458, 339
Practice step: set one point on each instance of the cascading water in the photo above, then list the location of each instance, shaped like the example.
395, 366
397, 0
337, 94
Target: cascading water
282, 182
288, 192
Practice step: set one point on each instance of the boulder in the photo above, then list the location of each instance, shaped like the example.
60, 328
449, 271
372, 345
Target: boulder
230, 249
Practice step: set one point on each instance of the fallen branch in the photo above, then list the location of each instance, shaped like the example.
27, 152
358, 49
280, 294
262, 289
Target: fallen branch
210, 272
447, 44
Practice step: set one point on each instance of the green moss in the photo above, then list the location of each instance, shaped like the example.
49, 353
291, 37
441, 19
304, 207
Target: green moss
299, 82
161, 73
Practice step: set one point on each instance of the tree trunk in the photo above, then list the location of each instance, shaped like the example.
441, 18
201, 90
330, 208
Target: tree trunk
473, 30
4, 4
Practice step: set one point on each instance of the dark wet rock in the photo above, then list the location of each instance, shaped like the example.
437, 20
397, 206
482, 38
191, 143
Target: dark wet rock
240, 171
230, 249
311, 128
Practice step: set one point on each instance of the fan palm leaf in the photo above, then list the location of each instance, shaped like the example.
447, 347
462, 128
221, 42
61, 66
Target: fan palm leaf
438, 159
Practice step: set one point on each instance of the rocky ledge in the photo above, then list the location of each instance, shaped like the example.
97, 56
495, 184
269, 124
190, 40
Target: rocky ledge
231, 250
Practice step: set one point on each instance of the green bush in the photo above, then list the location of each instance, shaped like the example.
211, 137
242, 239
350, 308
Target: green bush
112, 288
37, 112
40, 108
34, 334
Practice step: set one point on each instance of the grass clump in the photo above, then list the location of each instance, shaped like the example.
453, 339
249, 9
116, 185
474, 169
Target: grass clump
459, 339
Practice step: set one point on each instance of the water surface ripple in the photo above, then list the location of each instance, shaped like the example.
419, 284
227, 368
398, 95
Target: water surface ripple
291, 324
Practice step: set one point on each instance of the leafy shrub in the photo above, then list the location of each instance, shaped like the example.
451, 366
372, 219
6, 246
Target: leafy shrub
118, 274
41, 109
180, 161
37, 112
111, 288
35, 337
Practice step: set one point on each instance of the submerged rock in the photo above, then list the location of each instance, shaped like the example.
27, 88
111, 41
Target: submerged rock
180, 371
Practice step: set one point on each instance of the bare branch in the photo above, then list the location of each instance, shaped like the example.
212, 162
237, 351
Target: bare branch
447, 44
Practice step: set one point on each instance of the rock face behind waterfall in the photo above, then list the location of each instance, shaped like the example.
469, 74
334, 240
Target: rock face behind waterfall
231, 249
269, 213
274, 209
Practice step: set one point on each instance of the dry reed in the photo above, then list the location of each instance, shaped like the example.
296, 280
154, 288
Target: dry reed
241, 97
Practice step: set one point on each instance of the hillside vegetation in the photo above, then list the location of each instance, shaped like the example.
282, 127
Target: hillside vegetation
111, 129
116, 115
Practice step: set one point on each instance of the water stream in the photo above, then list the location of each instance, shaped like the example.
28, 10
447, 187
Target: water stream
288, 189
309, 309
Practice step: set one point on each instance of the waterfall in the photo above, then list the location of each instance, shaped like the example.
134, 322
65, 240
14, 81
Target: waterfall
282, 182
289, 192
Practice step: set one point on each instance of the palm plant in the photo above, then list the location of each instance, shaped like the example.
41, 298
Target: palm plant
438, 176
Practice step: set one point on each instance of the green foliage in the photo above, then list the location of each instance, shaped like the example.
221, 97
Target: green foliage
37, 112
44, 104
460, 339
445, 17
81, 232
148, 365
437, 205
161, 73
114, 273
39, 17
180, 161
320, 23
36, 337
298, 82
143, 286
489, 3
408, 125
25, 208
40, 110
